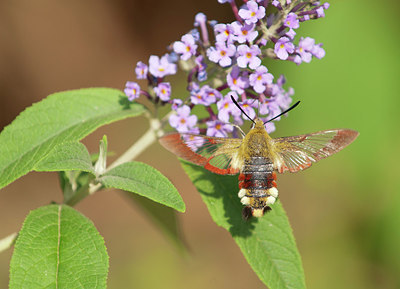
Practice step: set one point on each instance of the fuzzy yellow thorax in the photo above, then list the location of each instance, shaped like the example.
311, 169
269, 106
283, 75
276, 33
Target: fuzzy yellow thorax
257, 143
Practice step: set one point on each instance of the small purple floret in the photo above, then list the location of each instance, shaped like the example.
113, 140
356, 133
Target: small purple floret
237, 82
291, 33
223, 32
318, 51
141, 70
161, 67
247, 106
212, 95
248, 56
304, 49
186, 47
176, 103
270, 126
291, 21
260, 78
182, 121
221, 53
253, 12
195, 33
276, 3
199, 19
244, 33
283, 47
226, 107
218, 129
320, 12
205, 96
132, 90
163, 90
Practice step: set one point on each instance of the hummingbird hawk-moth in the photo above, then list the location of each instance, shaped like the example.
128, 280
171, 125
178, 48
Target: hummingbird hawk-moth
256, 157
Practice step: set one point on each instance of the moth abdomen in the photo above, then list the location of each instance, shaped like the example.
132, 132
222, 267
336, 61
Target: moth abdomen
257, 185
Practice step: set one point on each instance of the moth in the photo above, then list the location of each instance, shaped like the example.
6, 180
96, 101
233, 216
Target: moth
256, 157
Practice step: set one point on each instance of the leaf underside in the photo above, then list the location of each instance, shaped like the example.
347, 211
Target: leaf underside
142, 179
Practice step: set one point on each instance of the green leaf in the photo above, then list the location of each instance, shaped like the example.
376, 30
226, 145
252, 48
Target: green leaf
164, 217
58, 247
267, 243
66, 157
61, 117
142, 179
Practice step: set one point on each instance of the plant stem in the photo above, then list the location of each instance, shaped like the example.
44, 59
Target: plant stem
141, 144
149, 137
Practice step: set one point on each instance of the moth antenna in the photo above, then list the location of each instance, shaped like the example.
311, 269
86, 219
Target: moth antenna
289, 109
235, 102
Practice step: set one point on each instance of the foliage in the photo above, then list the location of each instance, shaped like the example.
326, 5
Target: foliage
57, 246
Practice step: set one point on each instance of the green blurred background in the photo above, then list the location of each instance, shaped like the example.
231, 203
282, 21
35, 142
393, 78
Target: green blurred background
345, 211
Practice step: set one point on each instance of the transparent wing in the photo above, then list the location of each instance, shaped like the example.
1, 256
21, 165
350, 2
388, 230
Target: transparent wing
213, 153
299, 152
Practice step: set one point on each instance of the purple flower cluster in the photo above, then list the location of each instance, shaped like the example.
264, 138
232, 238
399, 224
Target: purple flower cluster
155, 72
284, 46
235, 55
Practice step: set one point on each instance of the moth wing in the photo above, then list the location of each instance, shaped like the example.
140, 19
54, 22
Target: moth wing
297, 153
213, 153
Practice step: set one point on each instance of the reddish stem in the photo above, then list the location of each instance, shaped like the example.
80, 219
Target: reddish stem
236, 11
